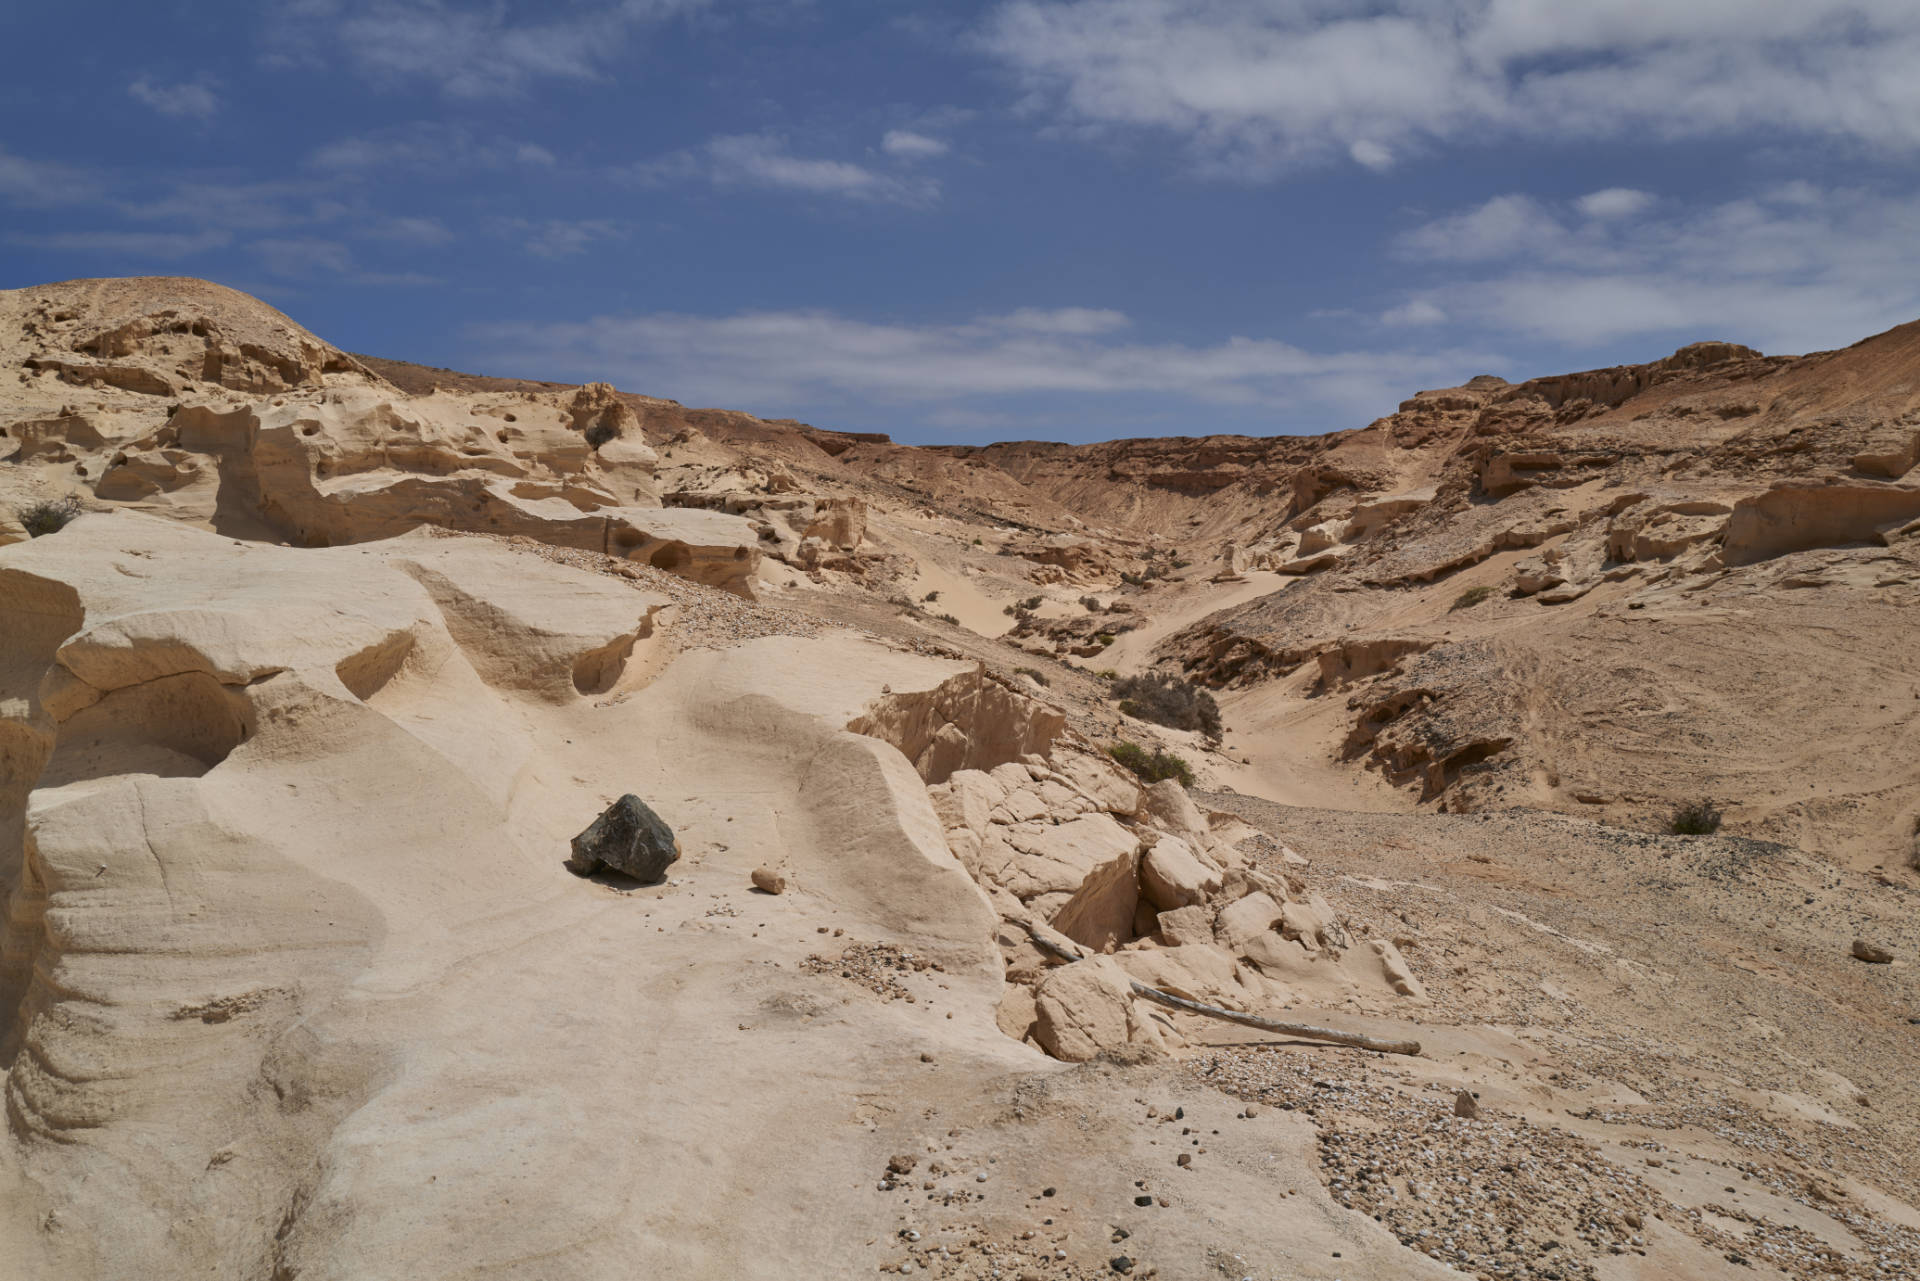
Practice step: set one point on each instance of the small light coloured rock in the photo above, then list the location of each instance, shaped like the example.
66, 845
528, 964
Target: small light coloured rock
1871, 953
1464, 1104
769, 881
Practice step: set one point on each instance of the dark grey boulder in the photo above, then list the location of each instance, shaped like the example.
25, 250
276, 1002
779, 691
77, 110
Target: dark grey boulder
630, 839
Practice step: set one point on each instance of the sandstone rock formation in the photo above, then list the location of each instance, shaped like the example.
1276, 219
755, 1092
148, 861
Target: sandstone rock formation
313, 665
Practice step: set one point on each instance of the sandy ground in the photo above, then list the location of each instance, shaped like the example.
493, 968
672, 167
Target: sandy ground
1180, 609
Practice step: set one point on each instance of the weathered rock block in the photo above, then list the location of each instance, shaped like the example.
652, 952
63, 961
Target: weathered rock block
628, 838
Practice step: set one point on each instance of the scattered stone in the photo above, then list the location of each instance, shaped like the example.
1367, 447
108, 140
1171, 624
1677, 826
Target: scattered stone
1464, 1104
628, 838
768, 881
1871, 953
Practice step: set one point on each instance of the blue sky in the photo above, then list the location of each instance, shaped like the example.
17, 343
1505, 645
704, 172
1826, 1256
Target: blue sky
1061, 219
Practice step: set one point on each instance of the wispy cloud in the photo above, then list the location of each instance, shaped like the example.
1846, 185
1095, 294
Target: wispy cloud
192, 101
424, 233
909, 145
41, 183
1259, 88
1419, 311
425, 148
563, 238
1615, 202
767, 161
1792, 268
777, 359
465, 51
134, 245
270, 205
306, 258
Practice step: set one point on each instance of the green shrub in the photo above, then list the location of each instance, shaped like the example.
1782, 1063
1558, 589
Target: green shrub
1132, 580
948, 619
1154, 766
930, 597
1031, 602
1033, 672
1696, 818
46, 518
1091, 604
1168, 700
1471, 597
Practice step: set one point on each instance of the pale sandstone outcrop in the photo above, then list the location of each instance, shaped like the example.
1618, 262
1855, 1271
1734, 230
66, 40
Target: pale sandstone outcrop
1087, 1007
1171, 875
281, 834
974, 721
1796, 516
1245, 919
1185, 925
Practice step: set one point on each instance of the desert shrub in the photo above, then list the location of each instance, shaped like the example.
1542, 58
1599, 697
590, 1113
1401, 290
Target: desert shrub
1031, 602
978, 543
1132, 580
1168, 700
930, 597
1695, 818
1107, 674
1104, 638
1033, 672
49, 517
1091, 604
1471, 597
600, 433
949, 619
1154, 766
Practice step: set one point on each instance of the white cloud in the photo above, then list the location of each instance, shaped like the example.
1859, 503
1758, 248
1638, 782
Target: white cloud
426, 148
472, 51
908, 145
425, 233
311, 258
130, 244
1416, 311
1371, 155
559, 238
39, 182
777, 360
1614, 202
1793, 269
1500, 228
184, 101
1257, 88
765, 160
1062, 320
